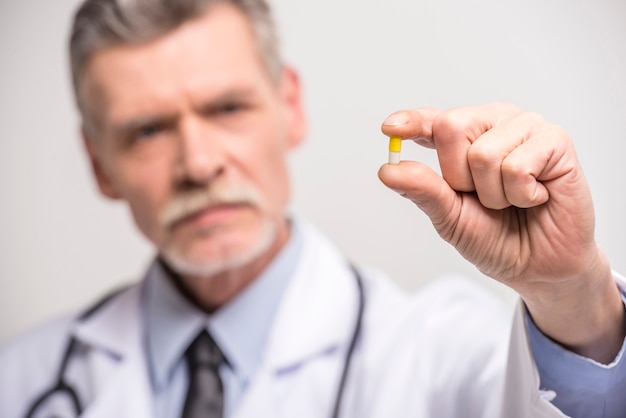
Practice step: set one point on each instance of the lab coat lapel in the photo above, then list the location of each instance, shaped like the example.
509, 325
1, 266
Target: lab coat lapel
316, 320
319, 309
116, 360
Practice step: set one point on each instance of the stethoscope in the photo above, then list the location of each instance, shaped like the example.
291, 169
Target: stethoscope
62, 389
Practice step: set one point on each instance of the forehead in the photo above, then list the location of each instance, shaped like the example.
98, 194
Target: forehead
210, 54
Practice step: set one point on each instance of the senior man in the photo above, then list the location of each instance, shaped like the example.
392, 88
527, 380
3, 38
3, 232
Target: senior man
188, 116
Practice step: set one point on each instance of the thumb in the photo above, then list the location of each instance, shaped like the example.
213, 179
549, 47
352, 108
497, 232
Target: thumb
427, 189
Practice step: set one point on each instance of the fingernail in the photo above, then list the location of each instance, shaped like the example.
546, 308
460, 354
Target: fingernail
397, 119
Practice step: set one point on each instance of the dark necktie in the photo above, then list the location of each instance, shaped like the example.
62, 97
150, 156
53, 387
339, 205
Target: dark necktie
205, 396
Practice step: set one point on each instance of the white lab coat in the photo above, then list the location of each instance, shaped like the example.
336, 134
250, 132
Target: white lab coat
441, 353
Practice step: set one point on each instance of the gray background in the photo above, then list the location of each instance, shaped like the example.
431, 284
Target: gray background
62, 245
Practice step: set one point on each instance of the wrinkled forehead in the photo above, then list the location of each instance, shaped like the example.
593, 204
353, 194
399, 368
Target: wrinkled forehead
210, 53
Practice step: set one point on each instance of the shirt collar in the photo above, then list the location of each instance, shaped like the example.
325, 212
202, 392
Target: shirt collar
240, 328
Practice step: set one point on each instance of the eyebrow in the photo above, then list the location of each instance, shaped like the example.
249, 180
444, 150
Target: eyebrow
126, 127
226, 98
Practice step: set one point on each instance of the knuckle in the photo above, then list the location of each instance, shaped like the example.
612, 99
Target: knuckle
451, 122
504, 108
532, 119
480, 155
514, 169
559, 132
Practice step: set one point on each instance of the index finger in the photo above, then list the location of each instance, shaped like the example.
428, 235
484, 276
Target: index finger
451, 133
416, 125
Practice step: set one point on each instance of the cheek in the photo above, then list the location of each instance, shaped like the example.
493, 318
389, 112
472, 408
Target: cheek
145, 188
266, 172
276, 179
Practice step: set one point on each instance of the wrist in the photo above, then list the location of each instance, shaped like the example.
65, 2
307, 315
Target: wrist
585, 314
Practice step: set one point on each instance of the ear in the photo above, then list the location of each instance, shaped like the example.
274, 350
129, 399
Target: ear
104, 181
291, 91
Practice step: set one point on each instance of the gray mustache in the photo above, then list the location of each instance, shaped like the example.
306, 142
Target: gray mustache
189, 202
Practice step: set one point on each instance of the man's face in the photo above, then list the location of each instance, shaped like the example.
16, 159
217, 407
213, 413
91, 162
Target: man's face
193, 134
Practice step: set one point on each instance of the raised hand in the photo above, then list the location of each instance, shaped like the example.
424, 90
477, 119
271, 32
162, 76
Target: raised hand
513, 200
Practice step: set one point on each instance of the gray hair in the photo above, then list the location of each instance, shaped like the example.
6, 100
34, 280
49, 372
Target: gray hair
99, 24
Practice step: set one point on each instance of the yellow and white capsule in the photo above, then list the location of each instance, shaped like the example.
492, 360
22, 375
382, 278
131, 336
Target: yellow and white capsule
395, 147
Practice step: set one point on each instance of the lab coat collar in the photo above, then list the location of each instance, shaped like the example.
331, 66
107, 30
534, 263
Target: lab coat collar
105, 330
317, 315
319, 308
114, 336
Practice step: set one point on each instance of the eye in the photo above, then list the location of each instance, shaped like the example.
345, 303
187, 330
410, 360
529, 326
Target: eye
230, 107
148, 131
145, 133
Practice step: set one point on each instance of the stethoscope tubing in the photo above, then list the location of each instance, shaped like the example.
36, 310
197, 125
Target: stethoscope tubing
355, 336
62, 387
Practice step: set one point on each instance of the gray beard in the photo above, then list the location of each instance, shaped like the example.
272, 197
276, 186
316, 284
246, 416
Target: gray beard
208, 268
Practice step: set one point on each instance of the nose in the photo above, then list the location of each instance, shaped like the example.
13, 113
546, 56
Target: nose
201, 158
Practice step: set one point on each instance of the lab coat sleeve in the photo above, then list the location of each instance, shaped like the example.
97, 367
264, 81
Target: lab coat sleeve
542, 377
578, 386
